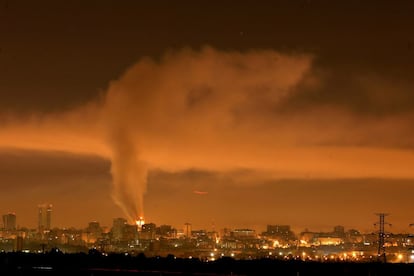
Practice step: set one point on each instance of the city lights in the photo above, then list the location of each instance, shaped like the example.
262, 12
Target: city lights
240, 243
247, 137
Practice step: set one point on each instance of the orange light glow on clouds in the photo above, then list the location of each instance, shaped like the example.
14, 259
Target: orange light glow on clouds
219, 111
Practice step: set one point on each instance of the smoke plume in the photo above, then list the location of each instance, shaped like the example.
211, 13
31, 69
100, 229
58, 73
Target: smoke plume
217, 111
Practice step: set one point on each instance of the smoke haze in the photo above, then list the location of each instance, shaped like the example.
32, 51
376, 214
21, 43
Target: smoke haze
220, 111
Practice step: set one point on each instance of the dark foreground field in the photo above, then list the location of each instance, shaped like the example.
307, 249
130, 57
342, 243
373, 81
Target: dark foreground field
119, 264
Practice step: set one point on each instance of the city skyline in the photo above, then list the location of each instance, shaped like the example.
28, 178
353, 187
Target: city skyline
233, 114
276, 241
44, 225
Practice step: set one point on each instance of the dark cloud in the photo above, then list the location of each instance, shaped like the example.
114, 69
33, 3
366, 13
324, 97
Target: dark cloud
145, 121
363, 92
54, 164
234, 199
286, 90
58, 55
79, 187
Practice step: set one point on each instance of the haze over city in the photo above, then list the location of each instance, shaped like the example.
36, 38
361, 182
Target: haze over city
219, 114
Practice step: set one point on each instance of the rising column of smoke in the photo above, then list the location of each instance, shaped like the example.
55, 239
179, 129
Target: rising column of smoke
212, 110
164, 113
190, 109
129, 176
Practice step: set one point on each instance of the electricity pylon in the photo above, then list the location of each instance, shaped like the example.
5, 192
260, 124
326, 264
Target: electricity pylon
381, 236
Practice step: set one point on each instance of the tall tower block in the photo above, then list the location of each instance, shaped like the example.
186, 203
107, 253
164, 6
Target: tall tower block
44, 217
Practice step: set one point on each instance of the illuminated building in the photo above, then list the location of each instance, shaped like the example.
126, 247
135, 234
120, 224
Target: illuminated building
278, 229
93, 232
130, 232
354, 236
243, 233
19, 244
187, 230
166, 231
339, 231
45, 217
307, 237
9, 222
118, 227
280, 232
94, 227
148, 231
324, 240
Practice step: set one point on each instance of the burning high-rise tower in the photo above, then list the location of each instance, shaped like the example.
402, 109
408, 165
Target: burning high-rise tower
139, 223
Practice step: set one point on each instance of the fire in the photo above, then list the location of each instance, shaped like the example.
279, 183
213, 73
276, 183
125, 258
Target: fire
139, 222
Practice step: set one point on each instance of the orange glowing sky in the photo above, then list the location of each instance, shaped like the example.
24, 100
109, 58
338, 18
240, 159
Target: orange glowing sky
282, 113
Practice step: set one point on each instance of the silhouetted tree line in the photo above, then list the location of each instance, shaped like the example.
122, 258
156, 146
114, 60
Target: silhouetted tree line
95, 263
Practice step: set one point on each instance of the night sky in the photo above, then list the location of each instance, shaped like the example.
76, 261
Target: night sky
217, 113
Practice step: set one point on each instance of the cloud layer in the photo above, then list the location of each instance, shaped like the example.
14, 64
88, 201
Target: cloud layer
222, 111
